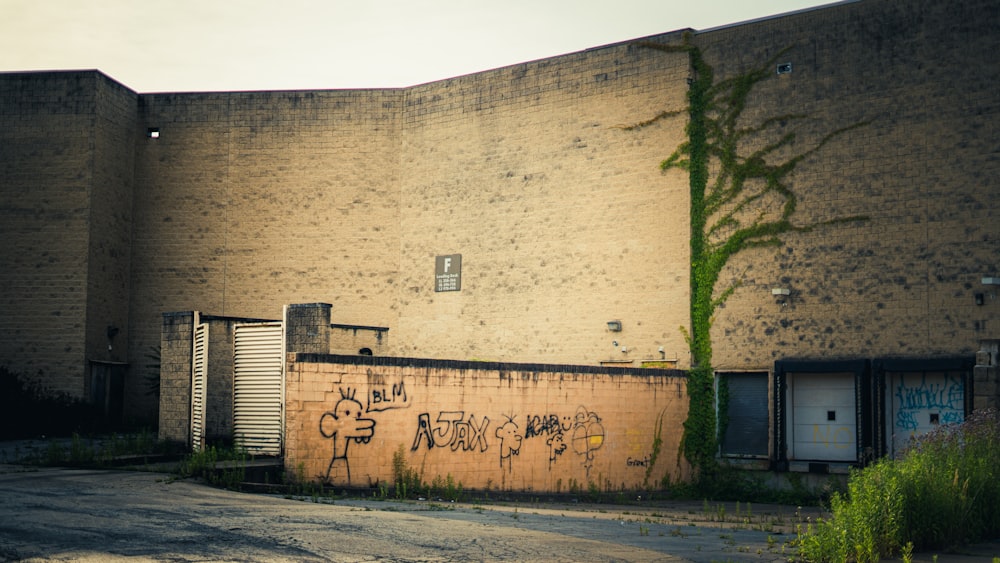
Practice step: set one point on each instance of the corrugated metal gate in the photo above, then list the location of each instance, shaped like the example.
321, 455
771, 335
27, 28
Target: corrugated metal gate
258, 387
199, 364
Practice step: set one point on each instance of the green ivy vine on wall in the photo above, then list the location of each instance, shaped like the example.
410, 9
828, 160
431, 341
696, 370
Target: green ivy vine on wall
740, 199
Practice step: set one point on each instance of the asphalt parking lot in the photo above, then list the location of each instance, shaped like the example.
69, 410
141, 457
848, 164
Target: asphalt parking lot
53, 514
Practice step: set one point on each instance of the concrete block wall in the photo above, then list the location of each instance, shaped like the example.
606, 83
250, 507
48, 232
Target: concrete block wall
561, 216
254, 200
219, 391
251, 200
903, 282
352, 339
518, 427
110, 236
307, 328
50, 124
177, 332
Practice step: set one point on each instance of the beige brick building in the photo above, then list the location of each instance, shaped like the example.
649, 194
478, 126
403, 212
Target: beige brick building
118, 207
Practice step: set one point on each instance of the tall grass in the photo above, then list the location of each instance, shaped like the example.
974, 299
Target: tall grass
943, 492
222, 467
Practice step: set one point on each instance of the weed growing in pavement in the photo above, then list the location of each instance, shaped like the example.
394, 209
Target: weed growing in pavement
222, 467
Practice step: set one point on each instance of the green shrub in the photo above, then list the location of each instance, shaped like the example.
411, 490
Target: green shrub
941, 493
406, 480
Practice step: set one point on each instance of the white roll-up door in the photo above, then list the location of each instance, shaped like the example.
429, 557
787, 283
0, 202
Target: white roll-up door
823, 417
199, 384
258, 387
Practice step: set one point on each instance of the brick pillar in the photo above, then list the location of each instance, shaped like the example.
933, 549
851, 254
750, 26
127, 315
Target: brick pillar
307, 328
986, 376
176, 336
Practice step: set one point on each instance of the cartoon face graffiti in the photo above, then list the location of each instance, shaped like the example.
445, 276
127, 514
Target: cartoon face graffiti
510, 441
557, 445
344, 424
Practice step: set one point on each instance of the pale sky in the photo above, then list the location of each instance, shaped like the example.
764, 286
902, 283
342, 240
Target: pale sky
232, 45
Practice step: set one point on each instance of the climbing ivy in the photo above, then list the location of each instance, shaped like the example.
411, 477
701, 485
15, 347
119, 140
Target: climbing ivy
740, 199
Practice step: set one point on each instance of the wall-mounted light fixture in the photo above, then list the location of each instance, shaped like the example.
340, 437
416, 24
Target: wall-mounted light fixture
989, 281
153, 132
781, 294
615, 326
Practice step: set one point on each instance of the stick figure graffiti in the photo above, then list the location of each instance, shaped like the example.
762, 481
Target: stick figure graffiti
588, 435
343, 425
557, 445
510, 441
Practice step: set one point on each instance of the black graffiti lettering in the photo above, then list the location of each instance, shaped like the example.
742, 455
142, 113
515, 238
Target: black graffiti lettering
452, 430
423, 431
468, 435
446, 433
543, 425
384, 397
631, 462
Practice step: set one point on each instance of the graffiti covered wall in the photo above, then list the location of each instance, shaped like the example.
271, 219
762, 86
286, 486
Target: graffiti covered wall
519, 427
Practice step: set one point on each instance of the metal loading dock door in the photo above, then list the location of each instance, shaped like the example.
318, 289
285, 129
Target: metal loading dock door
823, 420
822, 414
919, 395
258, 387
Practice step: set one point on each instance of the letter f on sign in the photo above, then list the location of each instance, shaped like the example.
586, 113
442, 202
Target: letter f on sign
447, 264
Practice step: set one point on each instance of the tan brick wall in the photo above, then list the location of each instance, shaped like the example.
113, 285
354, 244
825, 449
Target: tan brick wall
488, 426
177, 331
562, 218
110, 239
903, 282
65, 170
219, 390
307, 328
46, 176
351, 339
249, 201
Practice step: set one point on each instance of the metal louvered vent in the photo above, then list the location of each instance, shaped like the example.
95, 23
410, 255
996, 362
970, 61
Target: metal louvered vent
199, 364
258, 388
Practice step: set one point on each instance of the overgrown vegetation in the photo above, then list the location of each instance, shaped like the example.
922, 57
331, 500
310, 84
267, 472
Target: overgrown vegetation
740, 199
112, 450
942, 493
222, 467
407, 482
30, 410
